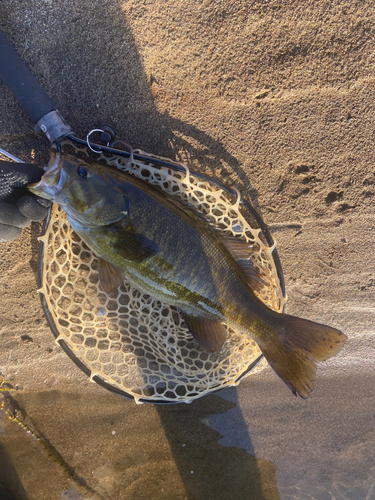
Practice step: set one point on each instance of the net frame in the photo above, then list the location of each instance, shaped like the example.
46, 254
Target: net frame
239, 356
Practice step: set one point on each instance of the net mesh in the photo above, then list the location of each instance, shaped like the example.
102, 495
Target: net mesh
130, 340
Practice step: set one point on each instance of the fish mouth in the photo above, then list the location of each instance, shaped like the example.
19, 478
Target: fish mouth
49, 185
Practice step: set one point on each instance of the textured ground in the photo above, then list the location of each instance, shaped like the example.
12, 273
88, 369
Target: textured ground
276, 98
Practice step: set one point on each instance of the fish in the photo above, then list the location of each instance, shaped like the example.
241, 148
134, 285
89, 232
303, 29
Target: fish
171, 251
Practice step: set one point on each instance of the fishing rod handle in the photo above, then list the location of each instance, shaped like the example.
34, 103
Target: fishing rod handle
30, 94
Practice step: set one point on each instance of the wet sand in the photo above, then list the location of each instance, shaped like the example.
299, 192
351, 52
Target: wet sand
277, 100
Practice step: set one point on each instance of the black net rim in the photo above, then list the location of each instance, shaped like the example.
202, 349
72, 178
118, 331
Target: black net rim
176, 167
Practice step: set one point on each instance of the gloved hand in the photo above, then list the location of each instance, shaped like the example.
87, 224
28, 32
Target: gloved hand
18, 207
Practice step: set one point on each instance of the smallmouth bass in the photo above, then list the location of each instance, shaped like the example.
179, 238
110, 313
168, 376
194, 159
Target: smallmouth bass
173, 253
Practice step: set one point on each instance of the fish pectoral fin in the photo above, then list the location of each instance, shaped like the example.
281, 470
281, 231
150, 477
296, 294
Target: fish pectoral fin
110, 278
241, 251
135, 247
209, 333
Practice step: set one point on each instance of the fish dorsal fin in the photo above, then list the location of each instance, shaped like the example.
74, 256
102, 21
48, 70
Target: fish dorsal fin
110, 278
241, 251
134, 247
209, 333
239, 248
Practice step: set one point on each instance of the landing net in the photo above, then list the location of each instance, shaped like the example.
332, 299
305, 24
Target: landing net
130, 342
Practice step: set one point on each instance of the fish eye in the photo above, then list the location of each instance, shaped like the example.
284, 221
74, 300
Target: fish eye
82, 172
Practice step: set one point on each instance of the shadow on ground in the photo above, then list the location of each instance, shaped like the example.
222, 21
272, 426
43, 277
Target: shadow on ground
209, 470
92, 69
10, 485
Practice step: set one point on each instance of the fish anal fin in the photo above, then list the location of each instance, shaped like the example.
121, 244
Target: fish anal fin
110, 278
242, 251
134, 247
209, 333
301, 344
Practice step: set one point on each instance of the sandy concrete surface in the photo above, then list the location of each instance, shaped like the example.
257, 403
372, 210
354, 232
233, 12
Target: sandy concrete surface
277, 99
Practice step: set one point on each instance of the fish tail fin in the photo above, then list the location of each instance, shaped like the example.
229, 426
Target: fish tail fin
301, 343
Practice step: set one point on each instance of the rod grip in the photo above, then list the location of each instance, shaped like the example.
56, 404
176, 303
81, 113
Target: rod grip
24, 86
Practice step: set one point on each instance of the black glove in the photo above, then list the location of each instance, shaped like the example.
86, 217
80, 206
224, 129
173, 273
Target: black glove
18, 207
